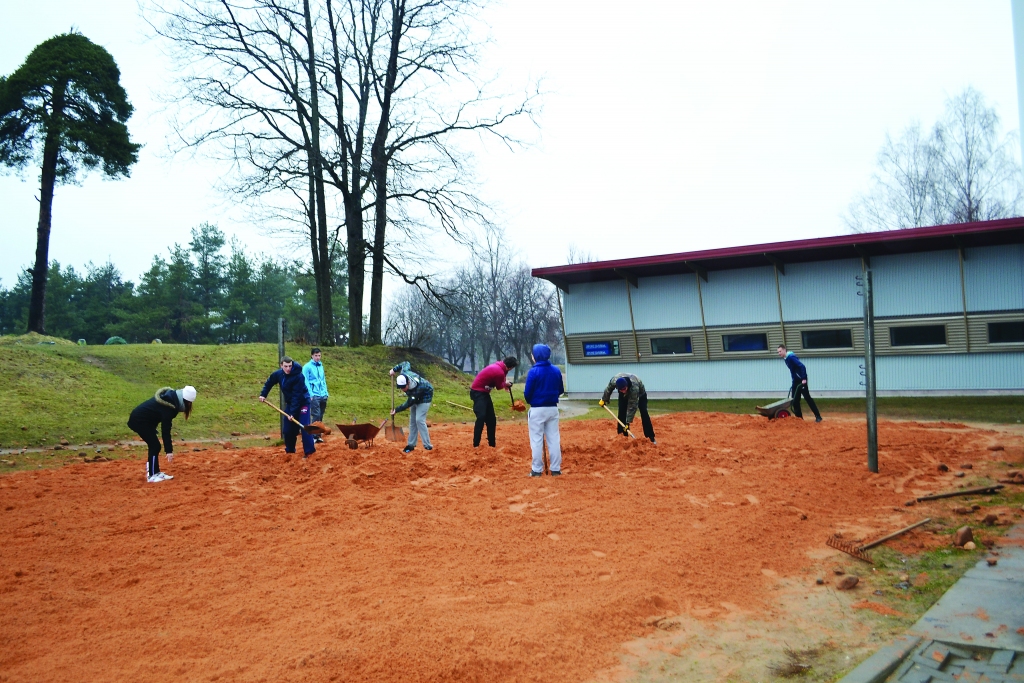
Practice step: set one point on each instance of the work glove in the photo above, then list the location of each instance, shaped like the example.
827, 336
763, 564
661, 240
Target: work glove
600, 402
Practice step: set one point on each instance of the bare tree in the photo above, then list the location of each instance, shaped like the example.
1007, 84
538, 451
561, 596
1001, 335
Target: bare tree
980, 178
962, 172
487, 309
248, 97
362, 96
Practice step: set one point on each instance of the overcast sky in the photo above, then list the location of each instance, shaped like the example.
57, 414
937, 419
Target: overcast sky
667, 125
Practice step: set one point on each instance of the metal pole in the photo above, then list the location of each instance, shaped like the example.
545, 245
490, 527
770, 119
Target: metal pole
280, 355
632, 325
869, 372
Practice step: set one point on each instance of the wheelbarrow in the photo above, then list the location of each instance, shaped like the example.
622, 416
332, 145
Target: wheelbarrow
777, 409
360, 433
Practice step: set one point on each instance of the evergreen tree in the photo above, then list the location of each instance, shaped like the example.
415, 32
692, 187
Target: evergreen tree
67, 99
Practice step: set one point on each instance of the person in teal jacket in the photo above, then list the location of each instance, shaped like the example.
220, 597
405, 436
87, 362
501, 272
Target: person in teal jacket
419, 393
316, 382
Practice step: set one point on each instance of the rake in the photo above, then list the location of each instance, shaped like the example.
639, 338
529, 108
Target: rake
857, 551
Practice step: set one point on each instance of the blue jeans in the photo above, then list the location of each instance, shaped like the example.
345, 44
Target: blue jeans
418, 425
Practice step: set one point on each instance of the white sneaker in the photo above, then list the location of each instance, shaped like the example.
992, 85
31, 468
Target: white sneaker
164, 476
155, 478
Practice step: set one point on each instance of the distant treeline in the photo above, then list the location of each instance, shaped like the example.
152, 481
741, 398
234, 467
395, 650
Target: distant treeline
197, 295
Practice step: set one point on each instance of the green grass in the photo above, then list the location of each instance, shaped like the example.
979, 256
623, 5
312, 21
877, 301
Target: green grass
943, 566
86, 393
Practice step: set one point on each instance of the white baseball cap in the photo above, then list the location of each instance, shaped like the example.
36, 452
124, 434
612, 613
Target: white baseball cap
401, 380
189, 393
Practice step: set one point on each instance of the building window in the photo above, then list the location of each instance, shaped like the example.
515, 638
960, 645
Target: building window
827, 339
1006, 333
918, 335
670, 346
745, 342
598, 349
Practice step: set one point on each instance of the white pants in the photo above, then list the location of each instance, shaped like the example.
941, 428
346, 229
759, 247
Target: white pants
544, 425
418, 424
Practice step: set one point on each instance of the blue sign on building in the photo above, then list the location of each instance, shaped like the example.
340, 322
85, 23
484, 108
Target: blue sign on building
601, 348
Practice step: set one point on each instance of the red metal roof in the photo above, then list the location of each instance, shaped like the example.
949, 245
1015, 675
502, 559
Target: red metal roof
860, 245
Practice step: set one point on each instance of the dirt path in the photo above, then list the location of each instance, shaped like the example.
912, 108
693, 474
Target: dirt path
450, 565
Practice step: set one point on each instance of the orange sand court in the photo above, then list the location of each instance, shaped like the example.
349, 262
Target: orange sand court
371, 565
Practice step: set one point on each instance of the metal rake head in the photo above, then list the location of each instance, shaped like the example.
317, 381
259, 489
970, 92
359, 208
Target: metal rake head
851, 549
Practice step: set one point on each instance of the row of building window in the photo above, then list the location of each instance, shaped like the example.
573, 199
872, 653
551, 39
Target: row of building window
909, 335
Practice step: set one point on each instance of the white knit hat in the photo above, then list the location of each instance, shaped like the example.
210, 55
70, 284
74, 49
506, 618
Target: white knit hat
189, 393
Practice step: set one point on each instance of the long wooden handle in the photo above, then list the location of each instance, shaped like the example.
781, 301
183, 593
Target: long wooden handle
392, 402
459, 405
292, 419
628, 430
894, 534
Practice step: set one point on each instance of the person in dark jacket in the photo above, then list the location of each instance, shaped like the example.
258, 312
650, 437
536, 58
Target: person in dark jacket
160, 410
798, 372
296, 403
543, 387
632, 397
419, 393
491, 377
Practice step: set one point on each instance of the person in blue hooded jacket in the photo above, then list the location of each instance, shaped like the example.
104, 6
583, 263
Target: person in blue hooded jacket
296, 403
543, 387
798, 372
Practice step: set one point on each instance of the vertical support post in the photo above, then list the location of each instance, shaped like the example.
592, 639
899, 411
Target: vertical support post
700, 300
565, 340
778, 295
280, 355
963, 297
632, 325
869, 372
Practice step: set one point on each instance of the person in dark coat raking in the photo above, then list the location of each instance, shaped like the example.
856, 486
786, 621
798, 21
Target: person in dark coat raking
798, 372
296, 404
632, 398
160, 410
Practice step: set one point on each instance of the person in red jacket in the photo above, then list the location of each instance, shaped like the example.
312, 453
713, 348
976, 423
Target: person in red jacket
491, 377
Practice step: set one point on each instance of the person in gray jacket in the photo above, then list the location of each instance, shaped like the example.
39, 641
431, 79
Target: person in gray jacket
419, 394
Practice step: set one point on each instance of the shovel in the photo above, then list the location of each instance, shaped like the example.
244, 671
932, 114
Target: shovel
311, 428
628, 430
517, 406
391, 432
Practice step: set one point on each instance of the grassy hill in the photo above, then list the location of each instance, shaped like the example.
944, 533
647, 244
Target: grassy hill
85, 393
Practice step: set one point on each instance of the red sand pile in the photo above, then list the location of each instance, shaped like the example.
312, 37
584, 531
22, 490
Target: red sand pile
449, 565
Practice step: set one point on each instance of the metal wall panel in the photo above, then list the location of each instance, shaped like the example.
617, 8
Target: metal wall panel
995, 278
666, 302
1000, 371
927, 283
596, 307
822, 290
952, 371
765, 375
740, 297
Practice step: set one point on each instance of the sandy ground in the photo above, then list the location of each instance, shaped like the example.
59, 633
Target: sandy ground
370, 565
